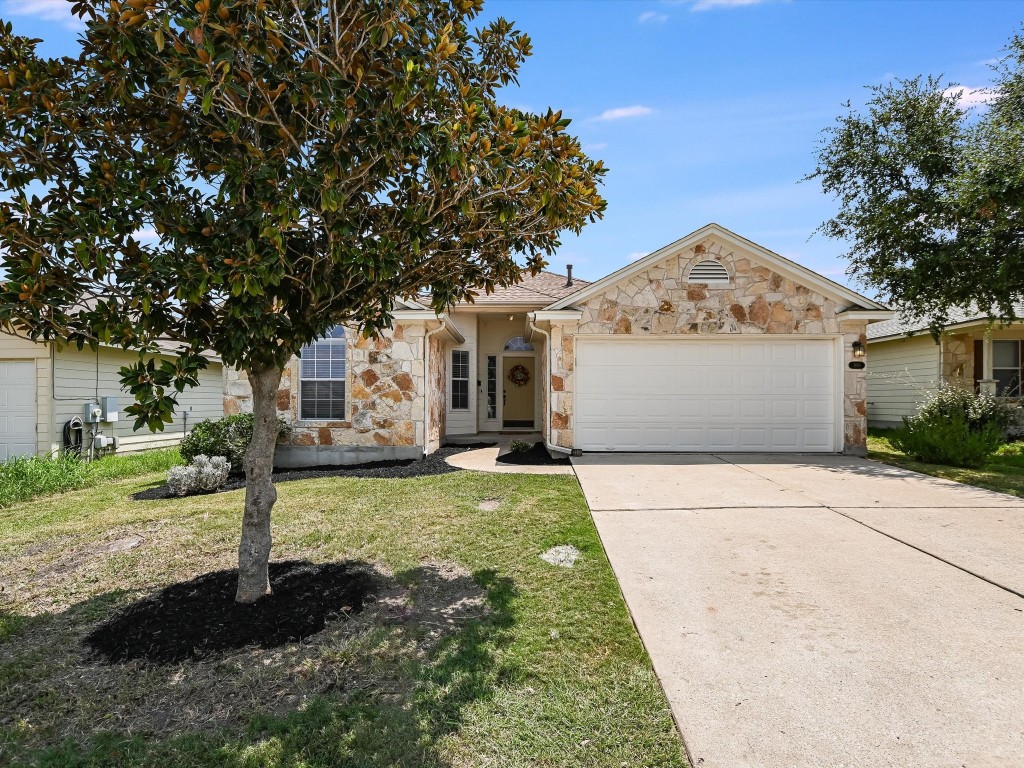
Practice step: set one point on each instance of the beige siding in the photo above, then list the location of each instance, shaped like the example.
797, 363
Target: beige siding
81, 376
13, 348
463, 422
901, 372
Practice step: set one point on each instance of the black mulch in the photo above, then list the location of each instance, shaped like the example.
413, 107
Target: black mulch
199, 618
538, 455
434, 464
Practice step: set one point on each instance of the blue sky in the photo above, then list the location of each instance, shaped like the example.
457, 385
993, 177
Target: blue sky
706, 110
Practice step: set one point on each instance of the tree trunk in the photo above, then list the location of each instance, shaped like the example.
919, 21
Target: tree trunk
260, 493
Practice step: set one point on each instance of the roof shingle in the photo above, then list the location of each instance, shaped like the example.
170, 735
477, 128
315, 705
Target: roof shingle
542, 288
903, 323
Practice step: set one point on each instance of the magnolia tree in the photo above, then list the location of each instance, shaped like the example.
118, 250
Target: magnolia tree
930, 187
237, 177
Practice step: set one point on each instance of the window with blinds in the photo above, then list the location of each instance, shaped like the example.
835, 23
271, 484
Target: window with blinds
322, 377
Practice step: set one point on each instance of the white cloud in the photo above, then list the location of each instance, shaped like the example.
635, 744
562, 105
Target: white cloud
635, 256
45, 10
710, 5
597, 147
146, 234
652, 17
619, 113
972, 97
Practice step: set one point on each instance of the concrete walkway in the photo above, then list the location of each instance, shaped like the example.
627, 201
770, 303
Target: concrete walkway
485, 460
821, 610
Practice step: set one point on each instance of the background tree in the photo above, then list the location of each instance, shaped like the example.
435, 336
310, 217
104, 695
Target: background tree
298, 163
931, 195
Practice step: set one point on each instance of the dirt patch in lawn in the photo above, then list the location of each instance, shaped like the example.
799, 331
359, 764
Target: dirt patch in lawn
55, 689
433, 464
537, 455
199, 618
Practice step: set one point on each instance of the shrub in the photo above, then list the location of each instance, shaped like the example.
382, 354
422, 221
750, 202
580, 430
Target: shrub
227, 437
951, 442
978, 411
955, 426
520, 446
205, 473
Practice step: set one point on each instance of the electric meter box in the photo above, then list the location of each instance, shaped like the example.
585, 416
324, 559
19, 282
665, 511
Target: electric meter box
91, 413
109, 405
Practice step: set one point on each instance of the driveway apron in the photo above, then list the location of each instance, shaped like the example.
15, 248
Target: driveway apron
821, 610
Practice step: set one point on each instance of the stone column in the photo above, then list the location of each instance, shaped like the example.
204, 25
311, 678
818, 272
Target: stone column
987, 387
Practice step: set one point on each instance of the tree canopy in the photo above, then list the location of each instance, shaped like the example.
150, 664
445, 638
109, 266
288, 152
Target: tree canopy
931, 193
238, 176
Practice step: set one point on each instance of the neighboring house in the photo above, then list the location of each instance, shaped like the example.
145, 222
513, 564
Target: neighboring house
712, 343
905, 362
41, 389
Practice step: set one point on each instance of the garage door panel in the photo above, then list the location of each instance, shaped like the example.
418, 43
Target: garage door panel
17, 408
706, 395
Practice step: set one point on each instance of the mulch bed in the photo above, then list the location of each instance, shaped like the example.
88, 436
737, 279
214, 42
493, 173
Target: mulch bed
538, 455
434, 464
200, 618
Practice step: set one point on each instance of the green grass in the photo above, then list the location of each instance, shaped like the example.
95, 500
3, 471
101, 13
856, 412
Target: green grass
548, 671
1004, 471
24, 478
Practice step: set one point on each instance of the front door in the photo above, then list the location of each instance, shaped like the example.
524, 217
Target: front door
517, 394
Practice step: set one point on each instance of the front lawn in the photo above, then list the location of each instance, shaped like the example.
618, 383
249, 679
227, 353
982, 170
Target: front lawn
477, 654
1003, 472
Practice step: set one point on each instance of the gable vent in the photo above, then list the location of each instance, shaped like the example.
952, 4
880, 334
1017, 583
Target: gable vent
708, 272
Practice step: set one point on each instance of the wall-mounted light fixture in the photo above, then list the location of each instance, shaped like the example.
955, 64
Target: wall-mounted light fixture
858, 350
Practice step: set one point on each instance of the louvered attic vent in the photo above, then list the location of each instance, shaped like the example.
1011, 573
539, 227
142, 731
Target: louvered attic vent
708, 272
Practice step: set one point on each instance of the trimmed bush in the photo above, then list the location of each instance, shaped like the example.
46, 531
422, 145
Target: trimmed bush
227, 437
204, 474
955, 427
520, 446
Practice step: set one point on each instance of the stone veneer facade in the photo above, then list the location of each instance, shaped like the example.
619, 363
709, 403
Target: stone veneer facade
388, 416
660, 302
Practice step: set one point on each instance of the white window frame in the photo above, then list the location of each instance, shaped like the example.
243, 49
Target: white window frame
335, 341
453, 378
1019, 368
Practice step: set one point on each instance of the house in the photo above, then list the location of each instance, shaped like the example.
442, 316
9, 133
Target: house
712, 343
43, 388
905, 362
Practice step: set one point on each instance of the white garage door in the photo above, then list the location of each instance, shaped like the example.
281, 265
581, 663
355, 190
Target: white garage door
738, 394
17, 409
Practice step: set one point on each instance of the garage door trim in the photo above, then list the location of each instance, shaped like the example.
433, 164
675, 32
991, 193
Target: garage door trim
837, 373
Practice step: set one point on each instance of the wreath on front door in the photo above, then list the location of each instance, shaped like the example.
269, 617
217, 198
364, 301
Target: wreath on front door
519, 375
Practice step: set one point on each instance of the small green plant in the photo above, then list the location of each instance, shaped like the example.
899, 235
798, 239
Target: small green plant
955, 427
520, 446
227, 437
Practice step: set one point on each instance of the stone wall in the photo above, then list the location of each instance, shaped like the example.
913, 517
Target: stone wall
437, 395
958, 358
384, 406
659, 301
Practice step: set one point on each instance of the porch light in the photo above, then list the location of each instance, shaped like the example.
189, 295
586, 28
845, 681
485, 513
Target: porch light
858, 349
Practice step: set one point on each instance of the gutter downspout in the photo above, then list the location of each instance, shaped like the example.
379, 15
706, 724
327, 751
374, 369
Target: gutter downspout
426, 382
532, 316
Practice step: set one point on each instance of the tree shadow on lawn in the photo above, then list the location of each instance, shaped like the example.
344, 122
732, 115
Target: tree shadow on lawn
379, 688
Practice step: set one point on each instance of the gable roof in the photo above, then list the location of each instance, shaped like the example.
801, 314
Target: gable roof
542, 288
904, 324
780, 264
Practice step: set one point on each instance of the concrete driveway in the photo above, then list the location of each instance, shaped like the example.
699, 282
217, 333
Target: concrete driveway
821, 610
